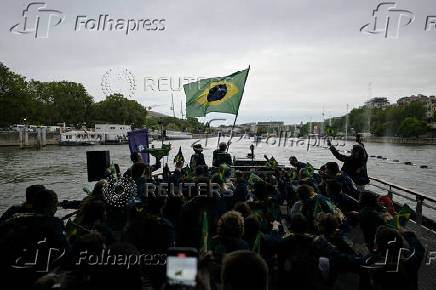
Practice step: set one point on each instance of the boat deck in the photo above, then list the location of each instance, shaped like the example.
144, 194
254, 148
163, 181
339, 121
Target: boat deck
427, 273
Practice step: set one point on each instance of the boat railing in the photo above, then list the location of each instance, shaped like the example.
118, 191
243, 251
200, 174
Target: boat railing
421, 199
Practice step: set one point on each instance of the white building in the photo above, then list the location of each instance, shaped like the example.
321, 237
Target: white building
113, 133
377, 103
82, 137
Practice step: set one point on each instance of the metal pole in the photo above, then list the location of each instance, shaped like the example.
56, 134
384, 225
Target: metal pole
419, 202
323, 121
219, 137
161, 133
231, 133
26, 137
346, 125
172, 105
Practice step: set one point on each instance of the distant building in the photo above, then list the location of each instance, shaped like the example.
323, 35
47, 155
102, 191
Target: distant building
249, 127
431, 107
429, 102
225, 129
377, 103
272, 124
114, 133
411, 99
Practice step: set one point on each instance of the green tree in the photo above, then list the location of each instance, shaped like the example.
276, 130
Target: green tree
412, 127
173, 127
15, 98
57, 102
118, 109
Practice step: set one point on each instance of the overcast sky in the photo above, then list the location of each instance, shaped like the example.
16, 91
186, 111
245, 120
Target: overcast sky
304, 55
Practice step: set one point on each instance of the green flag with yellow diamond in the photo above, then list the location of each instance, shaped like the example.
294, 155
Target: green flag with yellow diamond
179, 157
331, 131
401, 219
224, 171
254, 179
271, 163
221, 94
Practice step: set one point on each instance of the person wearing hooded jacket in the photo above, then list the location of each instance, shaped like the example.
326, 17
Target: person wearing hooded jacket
354, 165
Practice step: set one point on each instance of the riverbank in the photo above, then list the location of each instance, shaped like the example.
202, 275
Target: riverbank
28, 139
399, 140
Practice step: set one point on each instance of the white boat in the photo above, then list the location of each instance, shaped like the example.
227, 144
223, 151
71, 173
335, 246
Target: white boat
170, 135
257, 138
176, 135
113, 133
81, 138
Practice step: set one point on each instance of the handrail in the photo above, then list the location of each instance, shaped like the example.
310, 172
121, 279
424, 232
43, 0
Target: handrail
415, 193
420, 197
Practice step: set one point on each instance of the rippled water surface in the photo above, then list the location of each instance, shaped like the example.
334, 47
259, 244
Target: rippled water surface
63, 168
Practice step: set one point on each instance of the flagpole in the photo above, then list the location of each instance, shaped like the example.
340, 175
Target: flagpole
236, 117
231, 133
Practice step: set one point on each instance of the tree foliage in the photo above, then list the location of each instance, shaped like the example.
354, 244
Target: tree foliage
119, 110
171, 123
58, 102
412, 127
15, 97
50, 103
384, 122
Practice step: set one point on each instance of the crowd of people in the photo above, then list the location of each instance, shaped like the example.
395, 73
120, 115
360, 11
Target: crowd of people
285, 228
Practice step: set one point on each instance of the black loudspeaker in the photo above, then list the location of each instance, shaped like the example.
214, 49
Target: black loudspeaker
96, 163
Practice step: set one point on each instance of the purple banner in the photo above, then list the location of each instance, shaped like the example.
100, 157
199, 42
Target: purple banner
138, 141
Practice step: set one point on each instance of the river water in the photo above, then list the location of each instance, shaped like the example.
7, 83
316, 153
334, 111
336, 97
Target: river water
63, 168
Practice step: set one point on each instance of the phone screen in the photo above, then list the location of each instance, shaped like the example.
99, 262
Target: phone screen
181, 269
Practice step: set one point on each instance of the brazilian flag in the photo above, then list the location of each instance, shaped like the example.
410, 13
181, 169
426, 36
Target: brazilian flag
254, 179
113, 171
401, 219
271, 163
179, 157
224, 171
222, 94
308, 170
292, 173
158, 153
331, 131
73, 230
188, 172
